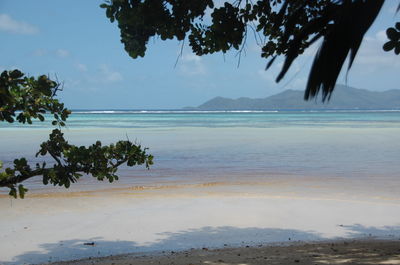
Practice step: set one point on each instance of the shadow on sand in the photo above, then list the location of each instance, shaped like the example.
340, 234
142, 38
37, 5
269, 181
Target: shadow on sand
210, 237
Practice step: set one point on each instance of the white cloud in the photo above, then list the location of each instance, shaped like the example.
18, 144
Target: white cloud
292, 81
266, 75
191, 64
371, 56
381, 36
40, 52
110, 75
11, 25
81, 67
94, 79
298, 83
62, 53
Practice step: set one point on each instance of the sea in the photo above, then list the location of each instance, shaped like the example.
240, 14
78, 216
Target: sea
220, 146
220, 179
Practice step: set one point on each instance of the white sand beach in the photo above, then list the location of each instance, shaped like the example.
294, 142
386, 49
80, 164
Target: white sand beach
56, 226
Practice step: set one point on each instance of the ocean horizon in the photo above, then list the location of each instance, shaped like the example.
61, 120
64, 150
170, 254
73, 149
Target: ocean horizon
138, 118
222, 146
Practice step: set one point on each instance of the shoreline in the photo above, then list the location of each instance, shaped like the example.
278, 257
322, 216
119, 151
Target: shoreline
42, 229
338, 251
214, 182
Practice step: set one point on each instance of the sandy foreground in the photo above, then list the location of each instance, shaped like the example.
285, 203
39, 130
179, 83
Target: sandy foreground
370, 251
193, 220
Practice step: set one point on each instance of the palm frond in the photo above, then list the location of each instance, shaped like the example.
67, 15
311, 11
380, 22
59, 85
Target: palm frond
344, 25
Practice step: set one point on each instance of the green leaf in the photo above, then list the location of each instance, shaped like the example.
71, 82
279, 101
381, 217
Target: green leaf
13, 192
32, 97
22, 190
16, 74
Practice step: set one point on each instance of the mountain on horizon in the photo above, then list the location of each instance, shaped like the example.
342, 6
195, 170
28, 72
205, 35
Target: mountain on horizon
344, 97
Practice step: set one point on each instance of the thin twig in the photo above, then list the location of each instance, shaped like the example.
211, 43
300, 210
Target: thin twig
180, 54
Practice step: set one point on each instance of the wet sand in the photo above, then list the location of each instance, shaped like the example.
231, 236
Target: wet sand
66, 225
371, 251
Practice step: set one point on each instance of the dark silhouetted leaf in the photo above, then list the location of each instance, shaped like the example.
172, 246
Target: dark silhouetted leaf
392, 34
389, 46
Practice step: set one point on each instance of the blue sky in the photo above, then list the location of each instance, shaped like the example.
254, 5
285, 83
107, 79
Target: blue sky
74, 40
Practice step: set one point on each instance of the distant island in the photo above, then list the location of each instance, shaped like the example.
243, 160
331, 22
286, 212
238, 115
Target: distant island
344, 97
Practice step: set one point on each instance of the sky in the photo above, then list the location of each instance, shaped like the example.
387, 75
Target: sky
74, 42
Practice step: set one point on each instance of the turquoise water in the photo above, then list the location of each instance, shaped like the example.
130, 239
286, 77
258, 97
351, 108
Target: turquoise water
240, 146
215, 119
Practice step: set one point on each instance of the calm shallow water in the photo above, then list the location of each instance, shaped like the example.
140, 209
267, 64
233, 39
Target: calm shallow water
233, 146
221, 119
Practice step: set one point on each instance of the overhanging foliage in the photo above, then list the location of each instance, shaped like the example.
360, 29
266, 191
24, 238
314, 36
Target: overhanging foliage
280, 27
25, 98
